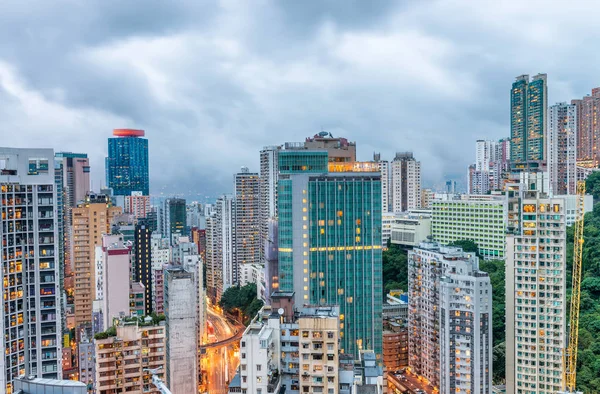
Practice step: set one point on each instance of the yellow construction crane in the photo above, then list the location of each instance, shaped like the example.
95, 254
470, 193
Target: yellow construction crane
570, 359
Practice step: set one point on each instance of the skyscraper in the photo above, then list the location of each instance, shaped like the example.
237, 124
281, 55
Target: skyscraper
247, 216
182, 331
588, 130
562, 148
174, 218
268, 175
535, 292
127, 163
221, 272
384, 168
449, 319
406, 182
330, 241
91, 220
30, 315
116, 266
528, 123
143, 261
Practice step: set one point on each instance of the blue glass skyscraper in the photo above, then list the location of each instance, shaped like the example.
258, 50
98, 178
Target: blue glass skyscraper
127, 163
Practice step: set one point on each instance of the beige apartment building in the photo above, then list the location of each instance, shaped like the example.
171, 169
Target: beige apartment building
123, 361
90, 221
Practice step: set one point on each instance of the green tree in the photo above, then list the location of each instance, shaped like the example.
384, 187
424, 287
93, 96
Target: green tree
242, 300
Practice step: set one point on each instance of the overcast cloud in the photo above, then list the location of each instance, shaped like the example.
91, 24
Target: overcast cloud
213, 82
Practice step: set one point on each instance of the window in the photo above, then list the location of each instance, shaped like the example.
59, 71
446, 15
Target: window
258, 367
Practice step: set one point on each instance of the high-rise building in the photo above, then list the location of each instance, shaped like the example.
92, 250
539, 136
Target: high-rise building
562, 148
482, 219
31, 311
485, 153
535, 293
116, 265
72, 171
91, 219
268, 176
127, 163
137, 204
384, 168
143, 261
449, 319
123, 361
182, 330
247, 215
174, 218
529, 121
272, 260
588, 129
331, 222
406, 182
221, 272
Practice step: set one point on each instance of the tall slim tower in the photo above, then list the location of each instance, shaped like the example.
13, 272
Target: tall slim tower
529, 121
406, 182
247, 216
221, 271
562, 148
127, 163
30, 316
384, 167
143, 261
330, 241
268, 175
182, 331
535, 292
174, 218
91, 220
588, 130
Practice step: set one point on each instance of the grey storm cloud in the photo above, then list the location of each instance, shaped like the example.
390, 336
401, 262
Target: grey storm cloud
214, 82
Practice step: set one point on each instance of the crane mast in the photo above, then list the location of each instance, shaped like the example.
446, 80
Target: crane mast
570, 359
157, 381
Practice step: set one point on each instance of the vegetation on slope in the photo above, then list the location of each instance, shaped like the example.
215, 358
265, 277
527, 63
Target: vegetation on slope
242, 300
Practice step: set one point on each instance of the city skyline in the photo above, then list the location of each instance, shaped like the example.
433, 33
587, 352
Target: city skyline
249, 85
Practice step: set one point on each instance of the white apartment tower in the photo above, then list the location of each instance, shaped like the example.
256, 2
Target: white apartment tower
30, 289
562, 148
449, 319
384, 168
465, 328
221, 271
485, 153
268, 175
247, 218
535, 294
406, 182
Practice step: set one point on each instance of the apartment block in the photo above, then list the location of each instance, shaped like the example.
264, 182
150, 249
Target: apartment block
482, 219
447, 323
406, 182
122, 361
562, 148
588, 129
535, 293
247, 215
91, 219
31, 312
411, 228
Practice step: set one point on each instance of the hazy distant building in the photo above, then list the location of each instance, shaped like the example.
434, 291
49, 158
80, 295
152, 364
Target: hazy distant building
137, 204
406, 182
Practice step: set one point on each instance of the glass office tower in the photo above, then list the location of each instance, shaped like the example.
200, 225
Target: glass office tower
330, 241
127, 163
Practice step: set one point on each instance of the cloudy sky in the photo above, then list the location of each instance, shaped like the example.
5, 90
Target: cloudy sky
212, 82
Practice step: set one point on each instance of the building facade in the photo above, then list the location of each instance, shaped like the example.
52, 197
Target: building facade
529, 121
268, 176
31, 310
143, 261
122, 361
116, 266
137, 204
482, 219
536, 294
181, 331
588, 129
221, 271
331, 222
91, 220
406, 182
562, 148
448, 323
247, 218
127, 163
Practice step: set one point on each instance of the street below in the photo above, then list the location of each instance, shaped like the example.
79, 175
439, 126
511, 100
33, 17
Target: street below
220, 362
